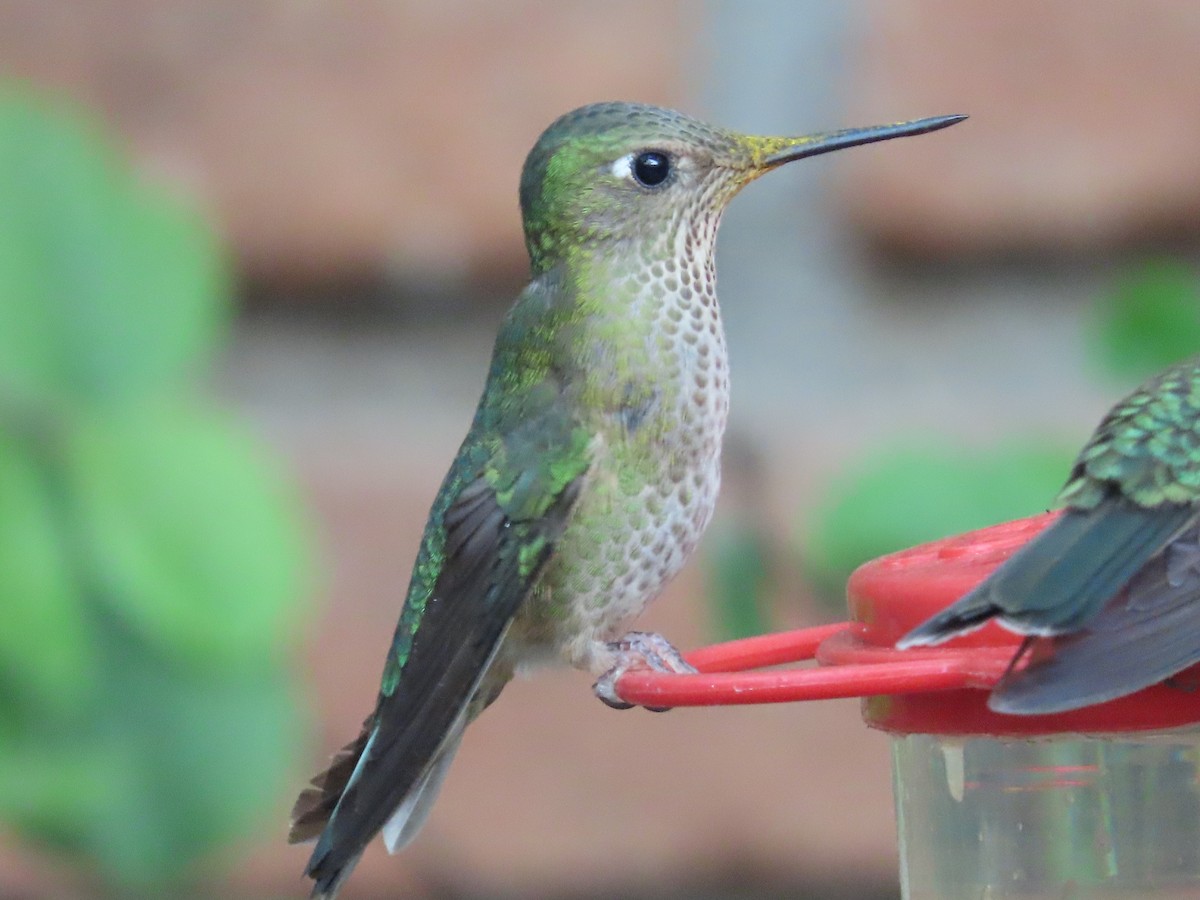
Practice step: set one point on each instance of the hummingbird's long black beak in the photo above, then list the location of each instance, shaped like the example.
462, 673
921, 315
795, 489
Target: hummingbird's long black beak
816, 144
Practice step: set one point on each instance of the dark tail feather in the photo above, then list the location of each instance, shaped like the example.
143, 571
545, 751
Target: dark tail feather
971, 612
1148, 633
315, 804
327, 885
1063, 577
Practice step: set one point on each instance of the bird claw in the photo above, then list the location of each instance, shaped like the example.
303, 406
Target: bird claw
639, 650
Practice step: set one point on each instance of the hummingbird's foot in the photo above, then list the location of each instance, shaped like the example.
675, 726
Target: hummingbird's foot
639, 650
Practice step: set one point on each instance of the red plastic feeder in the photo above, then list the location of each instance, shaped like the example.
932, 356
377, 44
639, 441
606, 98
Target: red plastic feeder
939, 690
988, 805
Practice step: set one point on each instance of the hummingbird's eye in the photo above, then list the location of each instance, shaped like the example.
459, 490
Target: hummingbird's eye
651, 168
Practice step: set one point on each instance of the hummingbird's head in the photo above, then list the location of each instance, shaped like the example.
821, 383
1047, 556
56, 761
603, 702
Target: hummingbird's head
612, 173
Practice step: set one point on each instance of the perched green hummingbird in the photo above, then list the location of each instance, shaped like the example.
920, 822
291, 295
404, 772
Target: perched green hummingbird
1109, 594
591, 467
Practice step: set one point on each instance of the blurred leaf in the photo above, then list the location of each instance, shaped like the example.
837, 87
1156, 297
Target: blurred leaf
168, 764
44, 651
151, 558
737, 558
194, 537
52, 783
907, 495
1151, 319
205, 756
109, 290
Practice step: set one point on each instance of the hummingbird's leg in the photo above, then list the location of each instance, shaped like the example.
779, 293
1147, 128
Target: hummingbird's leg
639, 650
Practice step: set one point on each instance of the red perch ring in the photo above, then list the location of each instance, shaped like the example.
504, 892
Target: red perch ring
937, 690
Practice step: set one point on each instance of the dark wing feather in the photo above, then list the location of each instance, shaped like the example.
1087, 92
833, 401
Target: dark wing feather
1131, 490
1148, 633
316, 803
1063, 577
482, 582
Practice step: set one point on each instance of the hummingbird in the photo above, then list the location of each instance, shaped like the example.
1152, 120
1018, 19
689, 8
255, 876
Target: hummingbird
591, 466
1108, 596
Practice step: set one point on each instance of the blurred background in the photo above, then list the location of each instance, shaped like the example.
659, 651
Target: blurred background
252, 256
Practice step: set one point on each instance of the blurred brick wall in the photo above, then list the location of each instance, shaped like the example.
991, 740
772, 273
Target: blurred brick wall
386, 138
335, 138
1083, 131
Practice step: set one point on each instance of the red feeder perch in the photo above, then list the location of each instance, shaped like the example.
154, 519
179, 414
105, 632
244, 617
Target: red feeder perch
988, 805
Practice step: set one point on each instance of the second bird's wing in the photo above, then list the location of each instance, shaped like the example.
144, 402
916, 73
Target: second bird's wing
1147, 633
1064, 576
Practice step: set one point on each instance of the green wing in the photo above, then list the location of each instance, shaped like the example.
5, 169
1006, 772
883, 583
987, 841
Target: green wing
503, 505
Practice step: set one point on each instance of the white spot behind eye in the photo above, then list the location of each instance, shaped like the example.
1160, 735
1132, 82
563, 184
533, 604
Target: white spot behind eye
623, 167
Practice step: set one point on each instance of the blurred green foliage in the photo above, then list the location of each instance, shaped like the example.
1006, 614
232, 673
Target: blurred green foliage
738, 569
151, 556
907, 493
1150, 319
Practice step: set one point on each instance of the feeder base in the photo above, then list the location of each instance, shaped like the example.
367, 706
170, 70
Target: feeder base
1068, 816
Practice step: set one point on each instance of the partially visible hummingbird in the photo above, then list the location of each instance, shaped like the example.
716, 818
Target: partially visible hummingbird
1108, 596
591, 467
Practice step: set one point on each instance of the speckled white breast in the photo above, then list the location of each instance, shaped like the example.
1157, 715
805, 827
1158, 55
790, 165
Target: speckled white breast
655, 471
